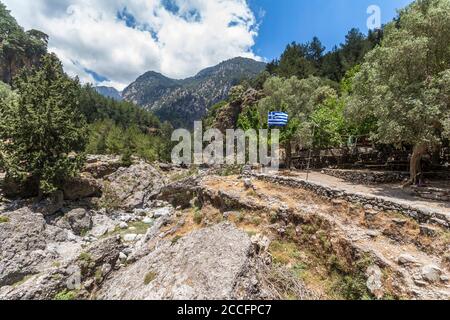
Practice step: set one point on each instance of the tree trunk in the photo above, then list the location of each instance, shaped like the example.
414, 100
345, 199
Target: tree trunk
288, 155
415, 165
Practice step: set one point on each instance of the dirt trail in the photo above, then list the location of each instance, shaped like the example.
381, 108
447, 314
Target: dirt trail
391, 192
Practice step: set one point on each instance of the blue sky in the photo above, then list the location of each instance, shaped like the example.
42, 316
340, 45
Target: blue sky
284, 21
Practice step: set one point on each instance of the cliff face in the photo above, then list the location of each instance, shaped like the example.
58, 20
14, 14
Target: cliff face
18, 48
183, 101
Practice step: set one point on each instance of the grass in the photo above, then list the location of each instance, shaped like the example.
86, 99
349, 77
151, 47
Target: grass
84, 256
149, 277
284, 252
184, 175
4, 219
66, 295
198, 216
227, 171
175, 240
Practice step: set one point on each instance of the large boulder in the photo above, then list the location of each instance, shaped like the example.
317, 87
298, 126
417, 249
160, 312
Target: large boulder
14, 189
100, 166
51, 204
81, 187
206, 264
130, 188
80, 220
22, 245
78, 276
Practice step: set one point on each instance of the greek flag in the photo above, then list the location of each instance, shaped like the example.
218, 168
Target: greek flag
278, 119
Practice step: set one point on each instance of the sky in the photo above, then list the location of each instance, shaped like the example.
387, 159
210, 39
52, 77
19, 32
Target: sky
112, 42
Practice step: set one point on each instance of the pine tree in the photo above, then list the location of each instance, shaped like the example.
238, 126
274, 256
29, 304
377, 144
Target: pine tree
43, 135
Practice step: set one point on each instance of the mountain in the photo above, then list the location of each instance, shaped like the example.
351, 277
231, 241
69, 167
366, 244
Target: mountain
109, 92
181, 102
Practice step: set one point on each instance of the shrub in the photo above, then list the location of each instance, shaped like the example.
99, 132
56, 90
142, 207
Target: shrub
66, 295
149, 277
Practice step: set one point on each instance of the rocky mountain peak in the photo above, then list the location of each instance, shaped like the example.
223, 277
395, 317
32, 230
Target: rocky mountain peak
182, 102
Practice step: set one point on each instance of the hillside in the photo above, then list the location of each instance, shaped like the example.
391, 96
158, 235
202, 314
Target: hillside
109, 92
183, 101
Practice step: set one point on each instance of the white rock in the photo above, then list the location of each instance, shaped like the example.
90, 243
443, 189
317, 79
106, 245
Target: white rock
147, 220
431, 273
123, 225
130, 237
122, 256
162, 212
374, 281
406, 259
248, 183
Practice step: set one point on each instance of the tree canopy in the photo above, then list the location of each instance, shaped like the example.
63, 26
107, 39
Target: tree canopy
42, 133
405, 82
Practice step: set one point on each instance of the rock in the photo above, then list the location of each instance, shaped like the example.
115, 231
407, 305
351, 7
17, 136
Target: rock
147, 220
101, 225
130, 188
261, 243
248, 184
163, 212
445, 279
123, 257
123, 225
428, 231
206, 264
165, 167
229, 214
140, 212
80, 221
100, 166
68, 277
406, 259
373, 233
374, 281
14, 189
431, 273
51, 205
399, 222
84, 186
130, 237
22, 244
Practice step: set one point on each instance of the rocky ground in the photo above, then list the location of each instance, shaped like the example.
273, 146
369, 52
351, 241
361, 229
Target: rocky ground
158, 232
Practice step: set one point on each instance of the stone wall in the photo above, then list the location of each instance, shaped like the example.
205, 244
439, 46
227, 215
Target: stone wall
368, 177
377, 203
432, 193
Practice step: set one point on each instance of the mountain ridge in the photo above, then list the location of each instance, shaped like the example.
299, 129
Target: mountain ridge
182, 101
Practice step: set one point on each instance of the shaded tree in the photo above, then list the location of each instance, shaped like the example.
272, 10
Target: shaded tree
405, 82
43, 135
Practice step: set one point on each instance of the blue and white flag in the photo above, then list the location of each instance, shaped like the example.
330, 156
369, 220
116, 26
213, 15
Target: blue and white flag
278, 119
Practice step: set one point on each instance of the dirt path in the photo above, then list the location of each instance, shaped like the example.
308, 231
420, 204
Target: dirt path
390, 192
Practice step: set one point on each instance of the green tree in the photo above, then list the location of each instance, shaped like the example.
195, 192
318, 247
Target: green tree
43, 136
405, 82
299, 98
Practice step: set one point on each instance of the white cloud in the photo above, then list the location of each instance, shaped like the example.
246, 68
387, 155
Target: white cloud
175, 37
